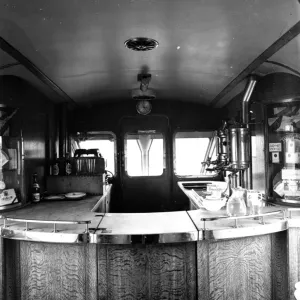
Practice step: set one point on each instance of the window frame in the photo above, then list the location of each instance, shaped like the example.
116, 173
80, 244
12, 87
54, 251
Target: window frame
207, 133
164, 154
105, 132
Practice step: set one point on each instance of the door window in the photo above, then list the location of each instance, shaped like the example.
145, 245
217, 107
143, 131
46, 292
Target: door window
144, 153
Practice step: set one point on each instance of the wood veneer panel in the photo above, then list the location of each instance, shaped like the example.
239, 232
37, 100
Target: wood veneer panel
237, 269
147, 271
293, 259
12, 277
52, 271
172, 271
127, 272
203, 269
35, 269
91, 285
102, 272
279, 259
191, 271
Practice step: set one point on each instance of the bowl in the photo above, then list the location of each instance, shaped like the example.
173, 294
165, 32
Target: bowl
214, 204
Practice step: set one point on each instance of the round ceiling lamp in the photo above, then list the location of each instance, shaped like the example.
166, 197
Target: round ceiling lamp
141, 44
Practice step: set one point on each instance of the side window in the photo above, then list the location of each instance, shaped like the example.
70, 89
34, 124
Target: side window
104, 141
189, 153
144, 153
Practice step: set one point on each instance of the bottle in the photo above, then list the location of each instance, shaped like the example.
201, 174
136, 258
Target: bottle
55, 166
35, 190
68, 165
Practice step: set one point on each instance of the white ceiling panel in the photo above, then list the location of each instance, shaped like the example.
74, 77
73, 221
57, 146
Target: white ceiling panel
203, 44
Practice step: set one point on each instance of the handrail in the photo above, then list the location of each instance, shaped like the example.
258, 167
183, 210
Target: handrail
242, 217
54, 222
261, 216
290, 210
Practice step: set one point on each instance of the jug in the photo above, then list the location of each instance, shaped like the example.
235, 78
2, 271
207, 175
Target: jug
236, 205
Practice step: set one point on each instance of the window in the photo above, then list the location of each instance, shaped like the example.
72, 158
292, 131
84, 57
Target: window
144, 153
190, 151
104, 141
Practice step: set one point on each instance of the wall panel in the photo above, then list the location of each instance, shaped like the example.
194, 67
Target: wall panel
147, 271
12, 274
58, 271
238, 269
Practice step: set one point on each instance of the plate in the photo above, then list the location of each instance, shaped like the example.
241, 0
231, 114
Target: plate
75, 195
54, 197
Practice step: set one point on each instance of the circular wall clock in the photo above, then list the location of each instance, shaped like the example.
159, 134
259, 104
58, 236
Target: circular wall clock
143, 107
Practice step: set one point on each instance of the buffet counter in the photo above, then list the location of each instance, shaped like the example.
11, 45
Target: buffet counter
73, 250
78, 222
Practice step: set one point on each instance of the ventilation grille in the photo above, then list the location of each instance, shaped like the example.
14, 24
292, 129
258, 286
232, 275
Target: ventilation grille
141, 44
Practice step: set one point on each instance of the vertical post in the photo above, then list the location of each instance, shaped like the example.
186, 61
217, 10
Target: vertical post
21, 174
62, 139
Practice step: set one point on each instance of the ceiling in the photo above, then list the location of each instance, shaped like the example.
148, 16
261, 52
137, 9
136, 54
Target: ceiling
203, 45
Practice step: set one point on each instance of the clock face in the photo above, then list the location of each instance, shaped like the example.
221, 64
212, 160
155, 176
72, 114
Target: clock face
143, 107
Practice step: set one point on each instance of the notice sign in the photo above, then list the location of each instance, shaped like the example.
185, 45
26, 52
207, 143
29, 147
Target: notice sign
275, 147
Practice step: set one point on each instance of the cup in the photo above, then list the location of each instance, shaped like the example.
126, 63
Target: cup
254, 201
215, 192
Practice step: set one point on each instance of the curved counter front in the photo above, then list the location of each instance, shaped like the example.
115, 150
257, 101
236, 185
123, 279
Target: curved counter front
75, 222
62, 250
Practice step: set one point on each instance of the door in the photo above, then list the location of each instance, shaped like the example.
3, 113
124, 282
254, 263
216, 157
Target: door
145, 167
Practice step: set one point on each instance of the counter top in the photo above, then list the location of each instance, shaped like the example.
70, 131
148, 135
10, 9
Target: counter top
147, 228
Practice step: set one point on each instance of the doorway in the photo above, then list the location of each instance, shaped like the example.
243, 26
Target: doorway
145, 165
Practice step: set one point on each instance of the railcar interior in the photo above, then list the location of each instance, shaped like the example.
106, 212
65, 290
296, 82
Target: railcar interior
149, 149
153, 85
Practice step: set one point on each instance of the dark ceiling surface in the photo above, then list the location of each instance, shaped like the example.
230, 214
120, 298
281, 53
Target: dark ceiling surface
203, 45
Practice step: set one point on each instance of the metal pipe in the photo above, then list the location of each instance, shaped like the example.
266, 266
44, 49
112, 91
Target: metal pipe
246, 175
210, 146
246, 99
243, 147
233, 141
46, 221
234, 182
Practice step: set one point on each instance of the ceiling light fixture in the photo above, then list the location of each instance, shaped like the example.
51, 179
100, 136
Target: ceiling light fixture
141, 44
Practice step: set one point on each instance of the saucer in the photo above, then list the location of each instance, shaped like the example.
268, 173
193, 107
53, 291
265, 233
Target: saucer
75, 195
